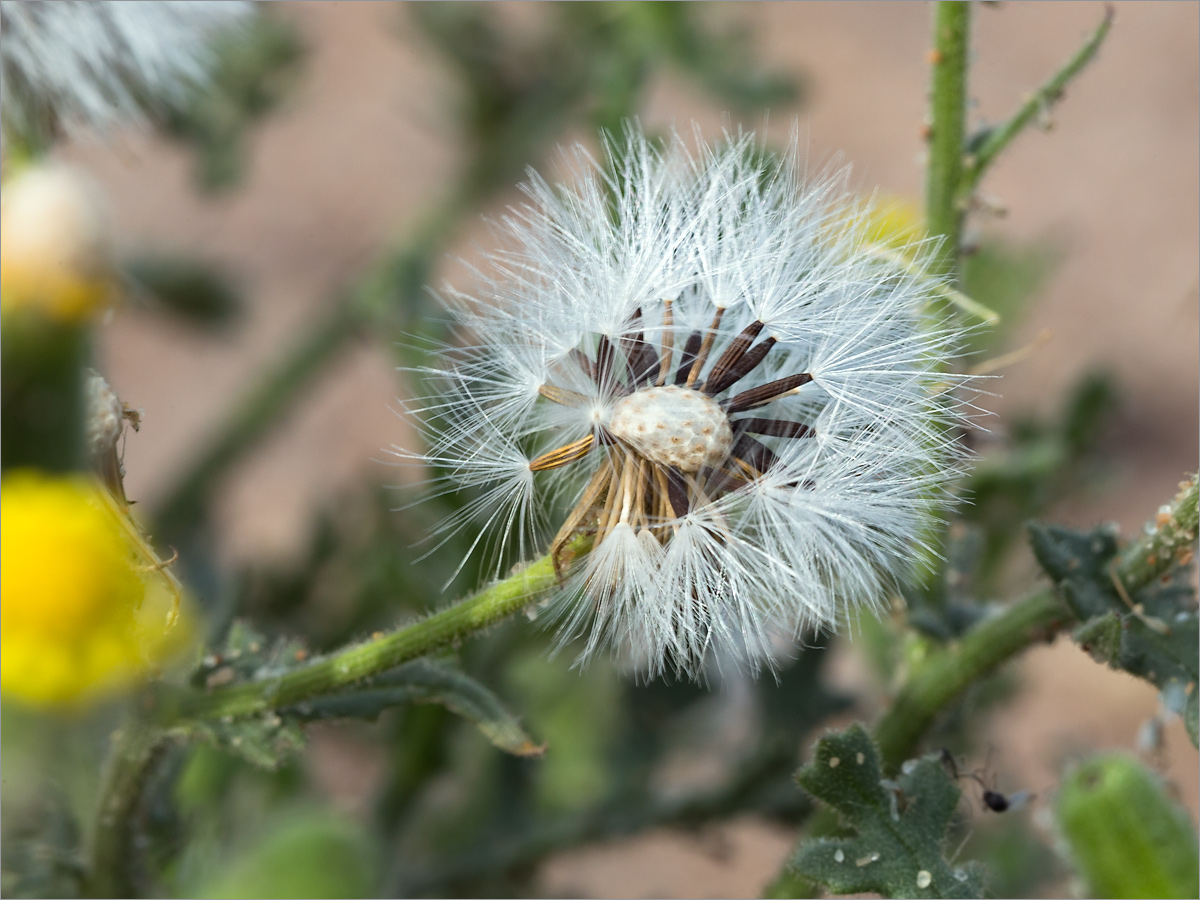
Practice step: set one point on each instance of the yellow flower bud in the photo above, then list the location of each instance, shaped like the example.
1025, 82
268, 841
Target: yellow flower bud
54, 255
82, 614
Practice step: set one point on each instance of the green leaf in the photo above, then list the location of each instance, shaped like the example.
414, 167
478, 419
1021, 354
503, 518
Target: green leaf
245, 654
255, 68
1126, 837
426, 681
1100, 636
900, 825
1153, 633
266, 741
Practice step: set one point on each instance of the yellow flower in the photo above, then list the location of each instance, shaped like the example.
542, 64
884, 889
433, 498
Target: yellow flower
892, 229
84, 613
894, 223
54, 257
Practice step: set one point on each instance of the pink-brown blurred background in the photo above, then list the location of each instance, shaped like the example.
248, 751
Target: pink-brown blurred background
366, 145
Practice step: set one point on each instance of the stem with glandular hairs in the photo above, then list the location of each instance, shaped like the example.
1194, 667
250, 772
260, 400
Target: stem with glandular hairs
328, 674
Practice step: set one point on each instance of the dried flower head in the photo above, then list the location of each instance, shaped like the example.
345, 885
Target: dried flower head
72, 64
692, 365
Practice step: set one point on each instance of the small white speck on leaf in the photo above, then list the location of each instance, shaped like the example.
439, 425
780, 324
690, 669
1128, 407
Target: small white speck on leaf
924, 879
839, 856
834, 762
866, 860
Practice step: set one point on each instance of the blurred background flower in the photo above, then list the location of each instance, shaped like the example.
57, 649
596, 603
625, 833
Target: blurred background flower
55, 256
84, 615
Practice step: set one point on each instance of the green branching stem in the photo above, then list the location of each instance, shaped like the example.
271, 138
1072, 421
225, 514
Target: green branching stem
384, 651
948, 107
946, 672
942, 676
136, 748
989, 145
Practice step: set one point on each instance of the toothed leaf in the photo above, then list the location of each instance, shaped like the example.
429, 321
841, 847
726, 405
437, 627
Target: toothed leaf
266, 742
1152, 633
900, 825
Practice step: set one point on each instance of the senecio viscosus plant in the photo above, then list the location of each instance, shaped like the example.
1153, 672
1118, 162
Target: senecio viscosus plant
694, 377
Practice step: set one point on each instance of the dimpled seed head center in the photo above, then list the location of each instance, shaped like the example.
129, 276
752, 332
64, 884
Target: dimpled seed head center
673, 426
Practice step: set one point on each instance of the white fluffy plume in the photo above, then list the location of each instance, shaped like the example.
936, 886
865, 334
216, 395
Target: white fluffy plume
74, 64
689, 376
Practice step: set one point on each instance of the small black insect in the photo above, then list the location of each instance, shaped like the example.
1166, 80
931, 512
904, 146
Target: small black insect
992, 798
996, 801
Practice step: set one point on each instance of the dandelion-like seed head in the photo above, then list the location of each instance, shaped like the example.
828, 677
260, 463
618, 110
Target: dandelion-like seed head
691, 372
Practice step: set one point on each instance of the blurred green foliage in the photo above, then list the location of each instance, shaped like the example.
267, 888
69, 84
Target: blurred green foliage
256, 66
587, 62
200, 294
309, 854
1126, 837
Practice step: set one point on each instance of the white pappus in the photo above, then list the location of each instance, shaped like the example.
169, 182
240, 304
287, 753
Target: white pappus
689, 376
73, 64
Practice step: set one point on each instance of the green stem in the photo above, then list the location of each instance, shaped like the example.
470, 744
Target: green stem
360, 661
992, 142
113, 854
1171, 540
136, 748
947, 672
948, 107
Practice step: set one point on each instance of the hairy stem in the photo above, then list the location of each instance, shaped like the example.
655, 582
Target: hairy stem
327, 674
136, 747
948, 671
113, 852
1170, 541
948, 108
989, 145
